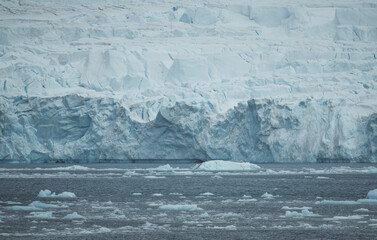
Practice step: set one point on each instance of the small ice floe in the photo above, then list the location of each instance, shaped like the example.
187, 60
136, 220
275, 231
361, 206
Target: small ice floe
229, 227
295, 208
165, 167
35, 206
130, 174
352, 217
41, 215
175, 194
247, 200
220, 165
180, 207
372, 194
74, 167
154, 177
216, 177
204, 215
74, 215
137, 194
207, 194
48, 194
228, 215
321, 177
332, 202
361, 210
12, 203
157, 195
267, 195
303, 213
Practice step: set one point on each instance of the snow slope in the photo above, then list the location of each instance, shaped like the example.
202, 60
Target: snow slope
260, 81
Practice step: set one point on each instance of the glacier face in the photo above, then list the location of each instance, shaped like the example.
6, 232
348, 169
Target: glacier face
276, 81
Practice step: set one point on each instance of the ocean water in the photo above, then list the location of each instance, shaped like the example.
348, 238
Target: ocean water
137, 201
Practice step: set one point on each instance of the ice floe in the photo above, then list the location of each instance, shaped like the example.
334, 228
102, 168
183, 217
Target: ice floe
34, 206
220, 165
48, 194
74, 215
42, 215
303, 213
180, 207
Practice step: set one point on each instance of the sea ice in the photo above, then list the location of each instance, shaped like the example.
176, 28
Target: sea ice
332, 202
267, 195
74, 215
304, 213
180, 207
372, 194
220, 165
352, 217
206, 194
43, 215
48, 194
34, 206
361, 210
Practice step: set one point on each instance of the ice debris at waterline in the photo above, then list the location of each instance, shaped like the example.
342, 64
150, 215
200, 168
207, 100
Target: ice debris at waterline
220, 165
257, 81
48, 194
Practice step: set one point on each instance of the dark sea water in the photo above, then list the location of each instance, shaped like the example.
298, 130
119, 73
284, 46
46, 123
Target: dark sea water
134, 201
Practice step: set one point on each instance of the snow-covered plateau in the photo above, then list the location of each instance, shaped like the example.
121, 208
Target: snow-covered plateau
254, 81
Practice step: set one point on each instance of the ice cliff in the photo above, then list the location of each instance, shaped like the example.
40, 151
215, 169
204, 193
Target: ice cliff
258, 81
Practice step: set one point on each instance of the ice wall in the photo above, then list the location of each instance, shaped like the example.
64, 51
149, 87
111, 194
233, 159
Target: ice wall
274, 81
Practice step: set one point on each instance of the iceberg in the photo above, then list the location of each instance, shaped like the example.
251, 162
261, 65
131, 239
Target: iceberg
220, 165
372, 194
48, 194
180, 207
244, 81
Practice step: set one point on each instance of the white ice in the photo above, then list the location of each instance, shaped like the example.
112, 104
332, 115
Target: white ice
180, 207
48, 194
74, 215
220, 165
303, 213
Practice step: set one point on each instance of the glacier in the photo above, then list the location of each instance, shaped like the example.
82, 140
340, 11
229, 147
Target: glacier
254, 81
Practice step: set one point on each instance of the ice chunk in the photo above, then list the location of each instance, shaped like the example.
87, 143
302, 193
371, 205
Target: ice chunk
36, 205
267, 195
352, 217
166, 167
157, 195
74, 167
295, 208
207, 194
332, 202
48, 194
372, 194
361, 210
43, 215
304, 213
220, 165
154, 177
74, 215
229, 214
180, 207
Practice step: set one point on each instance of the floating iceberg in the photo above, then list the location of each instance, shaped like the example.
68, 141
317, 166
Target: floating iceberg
42, 215
74, 215
220, 165
48, 194
180, 207
303, 213
372, 194
36, 205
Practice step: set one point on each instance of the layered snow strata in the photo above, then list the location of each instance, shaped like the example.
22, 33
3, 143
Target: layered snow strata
244, 81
